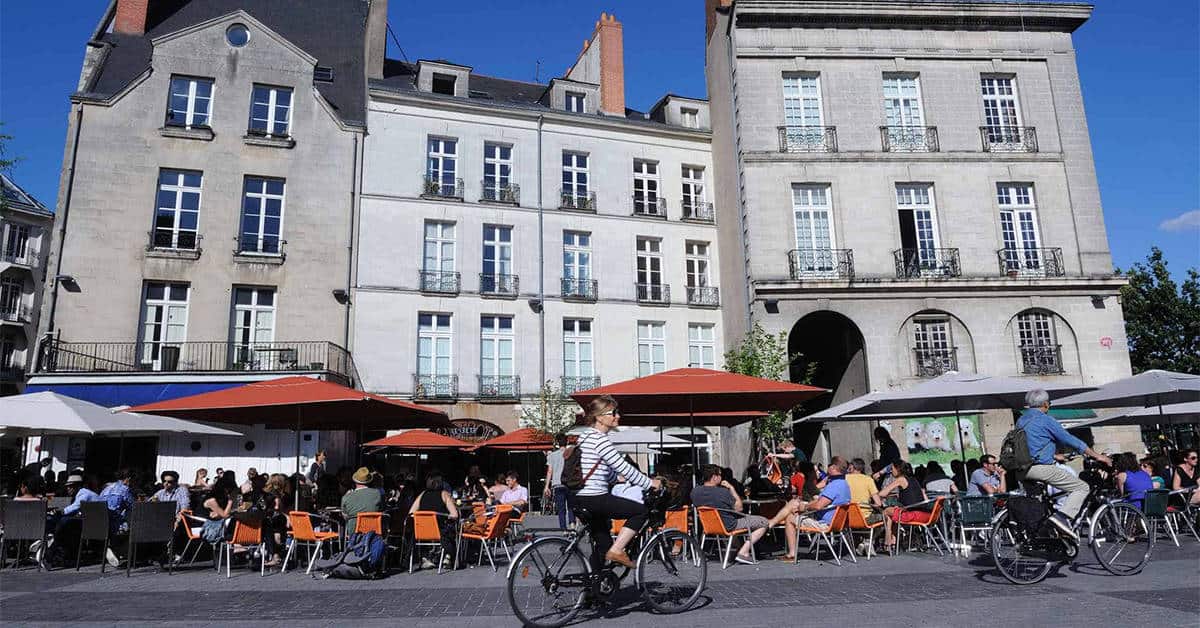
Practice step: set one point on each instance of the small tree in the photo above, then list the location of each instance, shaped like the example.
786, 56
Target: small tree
1162, 320
765, 355
551, 411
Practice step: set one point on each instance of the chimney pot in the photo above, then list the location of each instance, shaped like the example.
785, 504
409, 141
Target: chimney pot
131, 17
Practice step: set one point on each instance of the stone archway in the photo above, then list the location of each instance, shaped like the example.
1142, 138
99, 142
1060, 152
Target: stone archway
832, 346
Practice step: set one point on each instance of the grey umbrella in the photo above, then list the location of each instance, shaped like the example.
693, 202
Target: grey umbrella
849, 411
1170, 414
1148, 389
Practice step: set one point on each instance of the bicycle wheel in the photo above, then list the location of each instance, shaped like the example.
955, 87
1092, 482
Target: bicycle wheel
1120, 537
547, 582
671, 571
1010, 551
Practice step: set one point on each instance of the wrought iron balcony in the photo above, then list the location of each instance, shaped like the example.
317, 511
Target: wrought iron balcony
500, 387
165, 239
909, 139
500, 192
498, 285
15, 313
926, 263
443, 187
575, 383
579, 289
578, 201
653, 293
821, 264
1009, 139
1041, 359
440, 281
1043, 262
253, 244
932, 362
699, 211
12, 374
655, 207
58, 356
808, 139
434, 387
705, 296
20, 255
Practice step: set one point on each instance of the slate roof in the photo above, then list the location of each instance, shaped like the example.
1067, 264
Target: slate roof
332, 31
13, 194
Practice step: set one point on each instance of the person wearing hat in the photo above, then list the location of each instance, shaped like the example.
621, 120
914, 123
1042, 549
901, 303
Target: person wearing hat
362, 498
81, 491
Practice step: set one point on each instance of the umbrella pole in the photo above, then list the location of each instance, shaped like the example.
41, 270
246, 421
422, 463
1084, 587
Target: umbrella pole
962, 447
296, 500
120, 450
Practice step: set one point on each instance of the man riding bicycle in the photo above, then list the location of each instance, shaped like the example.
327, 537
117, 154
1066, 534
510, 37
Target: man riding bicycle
1044, 435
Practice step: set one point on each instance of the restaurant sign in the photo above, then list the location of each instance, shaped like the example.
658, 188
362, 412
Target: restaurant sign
470, 430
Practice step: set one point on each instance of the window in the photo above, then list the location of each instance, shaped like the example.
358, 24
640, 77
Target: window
652, 348
1037, 340
645, 188
254, 328
918, 226
439, 247
322, 74
575, 179
8, 350
262, 216
441, 174
1001, 115
177, 216
443, 84
701, 347
690, 117
495, 355
577, 350
190, 102
693, 192
802, 101
497, 260
10, 298
810, 205
434, 347
271, 111
237, 35
575, 102
577, 255
902, 101
649, 269
16, 241
932, 345
497, 172
164, 322
696, 254
1019, 228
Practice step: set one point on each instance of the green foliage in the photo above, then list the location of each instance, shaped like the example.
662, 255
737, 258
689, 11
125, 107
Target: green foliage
6, 160
551, 411
1162, 320
765, 355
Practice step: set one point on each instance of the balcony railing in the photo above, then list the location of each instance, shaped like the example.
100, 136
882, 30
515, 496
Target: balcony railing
500, 387
21, 255
1043, 262
203, 356
578, 201
440, 281
932, 362
926, 263
15, 313
909, 139
498, 285
12, 374
655, 207
442, 187
705, 296
253, 244
653, 293
699, 211
808, 139
579, 289
1041, 359
165, 239
1009, 139
433, 387
575, 383
500, 192
821, 263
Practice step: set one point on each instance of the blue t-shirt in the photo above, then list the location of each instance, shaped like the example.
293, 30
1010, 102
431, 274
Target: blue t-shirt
1136, 485
837, 491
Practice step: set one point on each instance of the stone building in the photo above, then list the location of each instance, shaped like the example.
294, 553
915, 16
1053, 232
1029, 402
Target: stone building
907, 188
24, 238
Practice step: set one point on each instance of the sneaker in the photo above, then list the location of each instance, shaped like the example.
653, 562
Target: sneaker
620, 558
745, 560
111, 556
427, 564
1060, 521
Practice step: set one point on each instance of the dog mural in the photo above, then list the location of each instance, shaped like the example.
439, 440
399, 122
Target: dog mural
967, 434
914, 433
937, 437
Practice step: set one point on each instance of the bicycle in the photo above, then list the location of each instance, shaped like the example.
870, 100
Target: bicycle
551, 579
1117, 532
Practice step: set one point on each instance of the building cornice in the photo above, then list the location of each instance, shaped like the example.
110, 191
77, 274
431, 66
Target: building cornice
886, 288
970, 15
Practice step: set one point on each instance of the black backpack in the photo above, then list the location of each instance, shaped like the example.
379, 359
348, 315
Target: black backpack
573, 477
1014, 453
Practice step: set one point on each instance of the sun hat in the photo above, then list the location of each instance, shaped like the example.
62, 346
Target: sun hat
75, 479
363, 476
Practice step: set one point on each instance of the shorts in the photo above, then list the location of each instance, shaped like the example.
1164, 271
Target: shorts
874, 518
751, 523
816, 524
910, 516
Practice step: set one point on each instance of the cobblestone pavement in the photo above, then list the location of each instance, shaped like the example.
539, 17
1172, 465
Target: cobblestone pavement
914, 589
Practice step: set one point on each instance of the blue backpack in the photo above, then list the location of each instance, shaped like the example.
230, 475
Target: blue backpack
362, 559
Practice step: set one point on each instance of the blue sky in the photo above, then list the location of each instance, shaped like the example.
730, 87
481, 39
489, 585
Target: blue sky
1139, 63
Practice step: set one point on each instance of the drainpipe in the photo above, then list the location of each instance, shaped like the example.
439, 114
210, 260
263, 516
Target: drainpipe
350, 261
541, 262
62, 231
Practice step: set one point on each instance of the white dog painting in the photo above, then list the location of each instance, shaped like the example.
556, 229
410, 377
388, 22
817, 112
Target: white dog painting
967, 434
937, 437
915, 435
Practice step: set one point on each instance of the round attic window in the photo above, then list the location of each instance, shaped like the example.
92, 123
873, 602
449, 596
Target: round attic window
237, 35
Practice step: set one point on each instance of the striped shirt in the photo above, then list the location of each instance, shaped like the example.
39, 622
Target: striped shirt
594, 447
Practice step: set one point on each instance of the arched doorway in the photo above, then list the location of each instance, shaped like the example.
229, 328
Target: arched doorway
831, 347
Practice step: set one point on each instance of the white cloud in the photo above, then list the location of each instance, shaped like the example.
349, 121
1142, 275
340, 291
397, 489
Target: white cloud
1183, 222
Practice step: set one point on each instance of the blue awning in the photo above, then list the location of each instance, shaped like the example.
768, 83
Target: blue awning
131, 394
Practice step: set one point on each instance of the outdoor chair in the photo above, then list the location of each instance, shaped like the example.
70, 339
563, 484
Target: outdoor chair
836, 530
427, 532
856, 523
494, 533
374, 522
974, 515
24, 520
302, 532
678, 519
1154, 506
247, 535
711, 524
94, 527
929, 527
151, 522
1183, 516
617, 524
192, 527
58, 502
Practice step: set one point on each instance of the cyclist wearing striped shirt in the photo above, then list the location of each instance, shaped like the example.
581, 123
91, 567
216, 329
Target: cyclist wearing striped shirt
601, 466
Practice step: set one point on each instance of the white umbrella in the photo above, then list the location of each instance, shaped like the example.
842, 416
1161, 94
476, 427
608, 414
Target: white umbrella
49, 413
1170, 414
1149, 388
643, 436
849, 411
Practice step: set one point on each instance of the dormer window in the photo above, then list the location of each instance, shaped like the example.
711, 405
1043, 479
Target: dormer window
575, 102
690, 117
443, 84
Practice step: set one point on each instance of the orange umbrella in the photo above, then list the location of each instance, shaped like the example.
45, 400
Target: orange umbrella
524, 439
419, 439
701, 391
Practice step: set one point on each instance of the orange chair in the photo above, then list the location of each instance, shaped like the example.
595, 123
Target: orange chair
493, 534
712, 525
678, 519
192, 525
857, 523
427, 532
617, 524
302, 532
245, 535
928, 526
836, 529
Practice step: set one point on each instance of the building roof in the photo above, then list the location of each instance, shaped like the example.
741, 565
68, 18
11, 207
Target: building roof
15, 197
332, 31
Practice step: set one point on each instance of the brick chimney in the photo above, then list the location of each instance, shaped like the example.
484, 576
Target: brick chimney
602, 61
710, 15
131, 17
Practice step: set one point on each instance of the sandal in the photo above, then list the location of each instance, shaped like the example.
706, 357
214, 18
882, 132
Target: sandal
785, 557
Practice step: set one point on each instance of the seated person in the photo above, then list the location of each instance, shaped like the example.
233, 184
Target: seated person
436, 499
718, 493
988, 479
514, 495
172, 491
862, 488
1132, 481
910, 493
758, 486
362, 498
817, 513
497, 488
936, 480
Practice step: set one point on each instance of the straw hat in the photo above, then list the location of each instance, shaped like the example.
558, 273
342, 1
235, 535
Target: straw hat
75, 479
363, 476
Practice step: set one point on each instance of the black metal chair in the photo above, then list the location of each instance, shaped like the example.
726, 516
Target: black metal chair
24, 520
94, 527
151, 522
